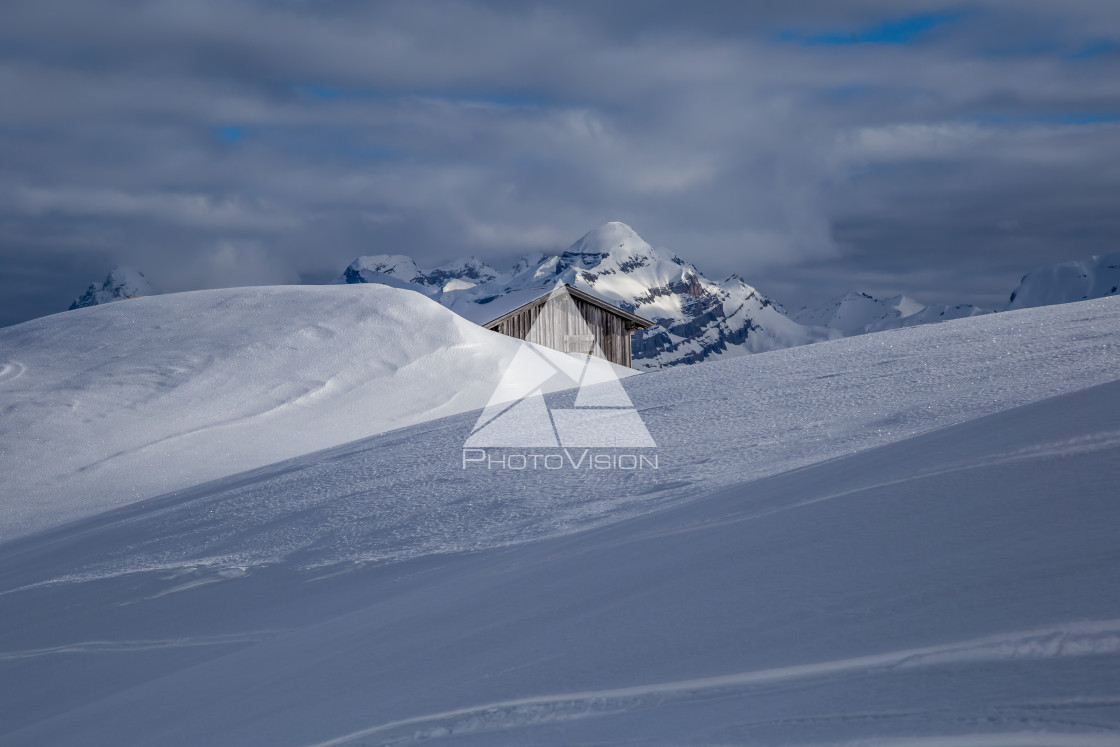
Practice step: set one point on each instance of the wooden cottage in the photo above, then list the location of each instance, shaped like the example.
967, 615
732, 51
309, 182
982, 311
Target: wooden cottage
569, 320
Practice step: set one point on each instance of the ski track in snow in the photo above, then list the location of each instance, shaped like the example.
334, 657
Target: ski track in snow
1088, 638
97, 647
221, 568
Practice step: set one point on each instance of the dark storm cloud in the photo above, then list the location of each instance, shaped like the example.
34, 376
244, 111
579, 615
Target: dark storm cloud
939, 149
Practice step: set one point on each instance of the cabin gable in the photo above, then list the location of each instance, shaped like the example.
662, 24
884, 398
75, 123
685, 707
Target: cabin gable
611, 327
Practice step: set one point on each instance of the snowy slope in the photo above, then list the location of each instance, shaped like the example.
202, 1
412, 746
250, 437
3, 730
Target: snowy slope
858, 313
120, 284
113, 404
1095, 277
941, 567
697, 319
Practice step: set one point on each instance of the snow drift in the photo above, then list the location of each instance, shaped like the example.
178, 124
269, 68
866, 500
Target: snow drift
112, 404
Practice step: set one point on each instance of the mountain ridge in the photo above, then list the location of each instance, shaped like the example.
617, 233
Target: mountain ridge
696, 319
1065, 282
857, 313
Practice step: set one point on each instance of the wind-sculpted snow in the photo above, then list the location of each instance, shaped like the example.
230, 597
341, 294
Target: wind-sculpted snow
105, 406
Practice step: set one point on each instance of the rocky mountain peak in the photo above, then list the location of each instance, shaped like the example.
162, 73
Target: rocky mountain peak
121, 283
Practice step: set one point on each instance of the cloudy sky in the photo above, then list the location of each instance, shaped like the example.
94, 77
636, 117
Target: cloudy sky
936, 149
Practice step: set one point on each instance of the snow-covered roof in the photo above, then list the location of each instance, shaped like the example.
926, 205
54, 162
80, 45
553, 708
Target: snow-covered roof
484, 313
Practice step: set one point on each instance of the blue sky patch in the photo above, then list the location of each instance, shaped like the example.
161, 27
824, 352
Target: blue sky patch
898, 31
229, 133
1096, 49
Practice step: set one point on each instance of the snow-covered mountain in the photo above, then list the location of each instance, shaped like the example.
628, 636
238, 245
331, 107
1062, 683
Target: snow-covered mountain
121, 283
1094, 277
696, 318
858, 313
399, 271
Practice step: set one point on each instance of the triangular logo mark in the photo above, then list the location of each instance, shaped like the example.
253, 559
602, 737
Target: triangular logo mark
603, 415
525, 424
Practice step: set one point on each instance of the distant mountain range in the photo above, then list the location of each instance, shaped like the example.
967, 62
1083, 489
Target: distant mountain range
858, 313
696, 318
